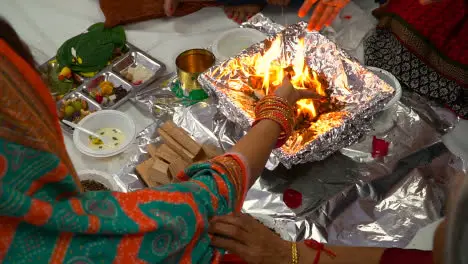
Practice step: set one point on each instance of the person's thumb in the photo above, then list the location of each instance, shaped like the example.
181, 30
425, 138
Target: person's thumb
308, 94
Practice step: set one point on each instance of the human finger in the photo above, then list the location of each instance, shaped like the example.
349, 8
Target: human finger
232, 219
332, 17
316, 16
235, 15
229, 231
325, 17
167, 7
230, 245
308, 94
306, 6
426, 2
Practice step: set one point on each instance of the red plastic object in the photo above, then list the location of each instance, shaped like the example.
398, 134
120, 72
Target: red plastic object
138, 82
347, 17
379, 147
292, 198
232, 259
99, 98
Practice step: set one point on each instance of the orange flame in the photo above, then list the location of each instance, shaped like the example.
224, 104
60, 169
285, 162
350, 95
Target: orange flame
272, 71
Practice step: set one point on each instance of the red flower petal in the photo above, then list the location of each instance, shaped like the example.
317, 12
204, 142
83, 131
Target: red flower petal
379, 147
292, 198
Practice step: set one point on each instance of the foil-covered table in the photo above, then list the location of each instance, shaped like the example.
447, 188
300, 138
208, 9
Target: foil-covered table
349, 198
361, 93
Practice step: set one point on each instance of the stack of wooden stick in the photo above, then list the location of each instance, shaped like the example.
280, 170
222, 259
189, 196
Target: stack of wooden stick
177, 152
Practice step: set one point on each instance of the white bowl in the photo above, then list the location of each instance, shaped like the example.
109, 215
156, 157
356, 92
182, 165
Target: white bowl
111, 182
231, 42
390, 80
104, 119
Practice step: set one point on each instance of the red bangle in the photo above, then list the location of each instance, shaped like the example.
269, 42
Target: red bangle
315, 245
278, 110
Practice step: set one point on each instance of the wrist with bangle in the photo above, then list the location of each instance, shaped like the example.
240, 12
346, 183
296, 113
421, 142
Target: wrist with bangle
311, 244
277, 109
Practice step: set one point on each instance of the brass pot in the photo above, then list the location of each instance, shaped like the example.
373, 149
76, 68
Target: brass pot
190, 64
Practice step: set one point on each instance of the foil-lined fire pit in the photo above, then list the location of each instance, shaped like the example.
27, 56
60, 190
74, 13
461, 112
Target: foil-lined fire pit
346, 94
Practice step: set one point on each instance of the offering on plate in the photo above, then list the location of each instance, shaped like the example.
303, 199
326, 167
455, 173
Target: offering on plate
73, 110
137, 74
106, 94
88, 53
59, 80
115, 136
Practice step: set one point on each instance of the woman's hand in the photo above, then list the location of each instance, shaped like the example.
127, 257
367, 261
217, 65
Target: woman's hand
244, 236
324, 13
291, 94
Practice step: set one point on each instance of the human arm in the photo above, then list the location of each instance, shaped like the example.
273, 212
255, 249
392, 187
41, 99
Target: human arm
324, 12
244, 236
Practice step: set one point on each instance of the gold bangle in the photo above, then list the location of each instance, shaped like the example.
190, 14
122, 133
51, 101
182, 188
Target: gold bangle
295, 257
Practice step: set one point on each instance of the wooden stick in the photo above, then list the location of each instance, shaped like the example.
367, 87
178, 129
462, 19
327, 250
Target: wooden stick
159, 172
208, 152
177, 166
181, 137
143, 170
163, 152
176, 147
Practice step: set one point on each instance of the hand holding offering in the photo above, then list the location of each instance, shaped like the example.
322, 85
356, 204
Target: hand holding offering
324, 13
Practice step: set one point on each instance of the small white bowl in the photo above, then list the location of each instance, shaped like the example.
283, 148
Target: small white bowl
390, 80
111, 182
104, 119
231, 42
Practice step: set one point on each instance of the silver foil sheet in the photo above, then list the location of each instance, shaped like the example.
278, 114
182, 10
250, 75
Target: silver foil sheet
349, 83
350, 198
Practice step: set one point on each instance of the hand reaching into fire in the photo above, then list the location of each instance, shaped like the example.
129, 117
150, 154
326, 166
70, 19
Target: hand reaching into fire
323, 14
291, 94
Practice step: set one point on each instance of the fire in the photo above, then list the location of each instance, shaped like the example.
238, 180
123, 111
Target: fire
266, 73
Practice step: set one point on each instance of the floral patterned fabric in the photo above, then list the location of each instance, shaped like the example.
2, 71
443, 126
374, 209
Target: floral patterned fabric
167, 224
383, 50
45, 218
424, 46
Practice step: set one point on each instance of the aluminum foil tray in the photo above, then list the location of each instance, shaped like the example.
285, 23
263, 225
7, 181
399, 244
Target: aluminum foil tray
363, 93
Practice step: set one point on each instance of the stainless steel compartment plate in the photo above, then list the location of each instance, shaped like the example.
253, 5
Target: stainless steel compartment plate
137, 57
110, 77
92, 106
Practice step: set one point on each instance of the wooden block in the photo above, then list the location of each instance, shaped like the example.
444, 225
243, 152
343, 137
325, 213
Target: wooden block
143, 170
165, 153
159, 172
208, 152
176, 147
211, 151
181, 137
177, 166
152, 150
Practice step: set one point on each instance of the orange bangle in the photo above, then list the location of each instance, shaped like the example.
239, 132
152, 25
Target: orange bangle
278, 110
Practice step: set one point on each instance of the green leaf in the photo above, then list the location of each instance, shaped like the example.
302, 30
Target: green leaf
97, 27
57, 86
64, 56
118, 36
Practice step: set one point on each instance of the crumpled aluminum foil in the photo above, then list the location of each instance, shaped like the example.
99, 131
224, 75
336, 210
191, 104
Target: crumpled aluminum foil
362, 92
349, 198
